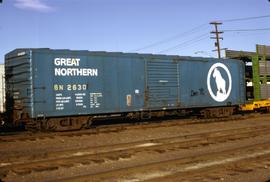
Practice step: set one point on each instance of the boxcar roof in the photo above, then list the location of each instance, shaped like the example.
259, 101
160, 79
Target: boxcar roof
104, 53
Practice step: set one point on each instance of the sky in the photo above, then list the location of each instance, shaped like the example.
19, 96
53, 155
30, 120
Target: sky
172, 27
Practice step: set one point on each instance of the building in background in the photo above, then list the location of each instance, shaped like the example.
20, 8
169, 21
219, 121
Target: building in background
2, 87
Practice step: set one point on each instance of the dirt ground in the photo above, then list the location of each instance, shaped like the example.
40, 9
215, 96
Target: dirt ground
235, 150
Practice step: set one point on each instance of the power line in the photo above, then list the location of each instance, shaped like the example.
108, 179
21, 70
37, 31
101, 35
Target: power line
247, 33
247, 18
196, 29
247, 30
194, 40
192, 43
171, 38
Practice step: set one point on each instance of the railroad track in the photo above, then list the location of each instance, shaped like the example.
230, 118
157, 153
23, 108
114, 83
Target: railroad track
31, 136
181, 167
103, 156
230, 167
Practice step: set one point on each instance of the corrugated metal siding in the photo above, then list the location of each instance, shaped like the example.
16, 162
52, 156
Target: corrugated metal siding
18, 83
162, 84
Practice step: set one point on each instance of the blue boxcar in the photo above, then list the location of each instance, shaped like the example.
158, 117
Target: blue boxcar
52, 83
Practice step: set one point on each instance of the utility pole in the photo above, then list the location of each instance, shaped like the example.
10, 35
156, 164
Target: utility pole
217, 37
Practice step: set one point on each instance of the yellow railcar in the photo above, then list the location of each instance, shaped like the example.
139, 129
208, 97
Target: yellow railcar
261, 105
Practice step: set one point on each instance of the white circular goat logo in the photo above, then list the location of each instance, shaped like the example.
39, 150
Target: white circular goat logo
219, 88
